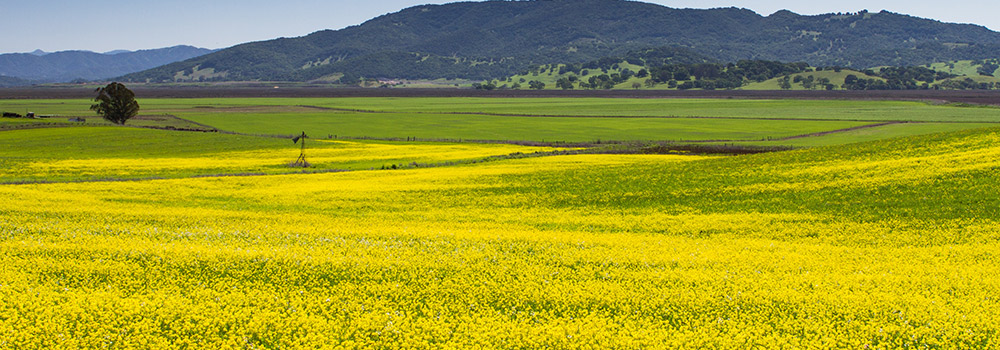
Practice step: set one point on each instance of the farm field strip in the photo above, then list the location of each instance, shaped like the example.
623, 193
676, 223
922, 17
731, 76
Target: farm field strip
550, 119
763, 130
478, 127
886, 244
278, 109
682, 107
95, 153
882, 132
732, 108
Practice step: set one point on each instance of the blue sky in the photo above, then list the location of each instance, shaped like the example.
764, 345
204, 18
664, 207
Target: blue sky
104, 25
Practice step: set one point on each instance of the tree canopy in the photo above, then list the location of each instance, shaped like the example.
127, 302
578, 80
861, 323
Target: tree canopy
116, 103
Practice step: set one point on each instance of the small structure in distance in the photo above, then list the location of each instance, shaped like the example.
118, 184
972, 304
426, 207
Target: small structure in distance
301, 161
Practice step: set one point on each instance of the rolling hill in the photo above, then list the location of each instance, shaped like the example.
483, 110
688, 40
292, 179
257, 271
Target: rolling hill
636, 72
6, 81
65, 66
492, 39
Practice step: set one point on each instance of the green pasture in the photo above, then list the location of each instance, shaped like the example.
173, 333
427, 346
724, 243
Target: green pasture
13, 123
480, 127
49, 107
555, 119
17, 121
111, 142
31, 149
678, 107
717, 108
870, 134
545, 119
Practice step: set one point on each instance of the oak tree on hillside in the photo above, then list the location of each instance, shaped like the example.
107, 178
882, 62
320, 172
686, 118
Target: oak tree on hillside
116, 103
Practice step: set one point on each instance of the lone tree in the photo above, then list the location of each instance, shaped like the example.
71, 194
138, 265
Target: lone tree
116, 103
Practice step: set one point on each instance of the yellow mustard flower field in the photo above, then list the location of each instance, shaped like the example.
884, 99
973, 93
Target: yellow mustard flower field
881, 245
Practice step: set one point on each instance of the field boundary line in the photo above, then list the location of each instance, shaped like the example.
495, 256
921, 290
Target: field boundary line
641, 117
37, 126
155, 178
209, 127
814, 134
823, 133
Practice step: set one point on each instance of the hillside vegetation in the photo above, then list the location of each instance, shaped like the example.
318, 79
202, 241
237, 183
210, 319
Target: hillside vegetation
6, 81
494, 39
634, 72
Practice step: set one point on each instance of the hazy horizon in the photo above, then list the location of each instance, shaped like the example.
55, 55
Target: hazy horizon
62, 25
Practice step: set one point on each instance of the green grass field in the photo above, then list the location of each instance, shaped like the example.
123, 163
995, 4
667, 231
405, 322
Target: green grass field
546, 119
870, 134
720, 108
479, 127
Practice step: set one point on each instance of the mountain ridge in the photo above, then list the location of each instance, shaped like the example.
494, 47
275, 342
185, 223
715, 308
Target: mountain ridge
477, 40
64, 66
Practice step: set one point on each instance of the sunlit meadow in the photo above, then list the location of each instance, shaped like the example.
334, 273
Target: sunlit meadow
890, 244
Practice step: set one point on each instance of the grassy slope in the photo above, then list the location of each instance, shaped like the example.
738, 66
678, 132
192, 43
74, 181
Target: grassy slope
966, 70
836, 78
964, 67
870, 134
977, 78
94, 153
550, 76
900, 166
477, 127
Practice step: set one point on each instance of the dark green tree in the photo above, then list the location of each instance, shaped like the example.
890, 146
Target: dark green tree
116, 103
564, 83
784, 84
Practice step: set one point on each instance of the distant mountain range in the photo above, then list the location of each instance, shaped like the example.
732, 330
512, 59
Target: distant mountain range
491, 39
65, 66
